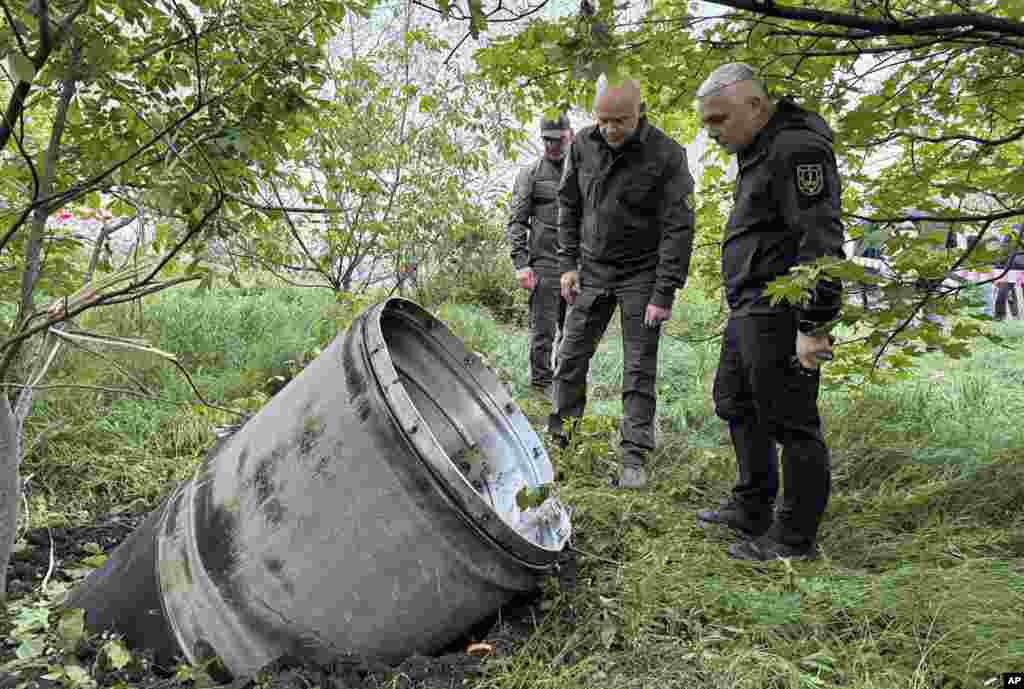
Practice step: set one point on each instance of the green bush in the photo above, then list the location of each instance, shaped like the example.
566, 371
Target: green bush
485, 279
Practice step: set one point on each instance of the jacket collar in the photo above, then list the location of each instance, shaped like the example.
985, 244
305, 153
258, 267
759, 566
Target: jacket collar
758, 147
787, 115
639, 138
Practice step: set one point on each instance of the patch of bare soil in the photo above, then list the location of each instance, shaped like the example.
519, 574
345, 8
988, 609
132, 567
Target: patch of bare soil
61, 551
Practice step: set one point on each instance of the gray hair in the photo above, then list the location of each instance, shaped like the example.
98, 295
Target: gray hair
727, 75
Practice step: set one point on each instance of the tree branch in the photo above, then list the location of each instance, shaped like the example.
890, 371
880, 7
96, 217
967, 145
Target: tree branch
132, 291
256, 206
949, 138
34, 247
880, 27
318, 268
47, 43
15, 31
101, 241
113, 362
927, 298
90, 184
1013, 212
128, 391
44, 25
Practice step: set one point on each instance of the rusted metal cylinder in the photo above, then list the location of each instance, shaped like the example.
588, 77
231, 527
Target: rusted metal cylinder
368, 509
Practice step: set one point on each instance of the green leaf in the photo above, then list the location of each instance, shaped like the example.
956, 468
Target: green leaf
31, 618
117, 654
30, 648
527, 497
71, 627
428, 104
205, 283
21, 67
77, 675
609, 630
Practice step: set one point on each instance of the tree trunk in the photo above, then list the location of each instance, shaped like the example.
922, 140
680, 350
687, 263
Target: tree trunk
101, 242
12, 419
10, 486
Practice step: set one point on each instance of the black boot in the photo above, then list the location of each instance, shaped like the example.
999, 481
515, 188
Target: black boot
745, 521
771, 546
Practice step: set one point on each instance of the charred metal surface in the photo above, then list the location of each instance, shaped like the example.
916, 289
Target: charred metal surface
261, 479
274, 511
335, 522
133, 606
322, 470
216, 541
312, 428
276, 568
243, 457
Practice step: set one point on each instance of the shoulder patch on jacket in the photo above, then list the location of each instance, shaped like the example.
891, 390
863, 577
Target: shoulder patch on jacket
810, 177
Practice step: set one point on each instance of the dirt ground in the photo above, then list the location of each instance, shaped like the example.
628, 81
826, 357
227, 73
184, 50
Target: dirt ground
452, 668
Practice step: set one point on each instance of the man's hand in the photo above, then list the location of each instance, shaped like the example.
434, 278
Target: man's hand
570, 286
526, 278
656, 315
808, 347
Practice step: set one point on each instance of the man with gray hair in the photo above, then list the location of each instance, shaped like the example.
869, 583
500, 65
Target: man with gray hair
786, 213
625, 230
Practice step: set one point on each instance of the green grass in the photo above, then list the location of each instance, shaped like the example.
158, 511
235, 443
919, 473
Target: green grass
113, 448
920, 584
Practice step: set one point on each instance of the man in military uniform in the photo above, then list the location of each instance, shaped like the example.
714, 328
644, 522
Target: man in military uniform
533, 234
625, 230
786, 214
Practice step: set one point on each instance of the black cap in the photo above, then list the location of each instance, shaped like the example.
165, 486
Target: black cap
554, 126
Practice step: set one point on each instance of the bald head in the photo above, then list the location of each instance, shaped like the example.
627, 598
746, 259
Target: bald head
628, 91
734, 105
617, 110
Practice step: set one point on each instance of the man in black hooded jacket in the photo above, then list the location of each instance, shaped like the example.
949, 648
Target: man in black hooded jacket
786, 214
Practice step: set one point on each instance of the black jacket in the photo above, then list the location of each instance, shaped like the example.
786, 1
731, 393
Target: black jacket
625, 216
786, 213
532, 226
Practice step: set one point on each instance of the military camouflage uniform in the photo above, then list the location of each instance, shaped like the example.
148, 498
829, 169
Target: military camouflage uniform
533, 234
626, 223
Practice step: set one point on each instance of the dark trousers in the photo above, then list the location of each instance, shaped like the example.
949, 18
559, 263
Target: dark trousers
547, 314
1006, 296
766, 399
585, 324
